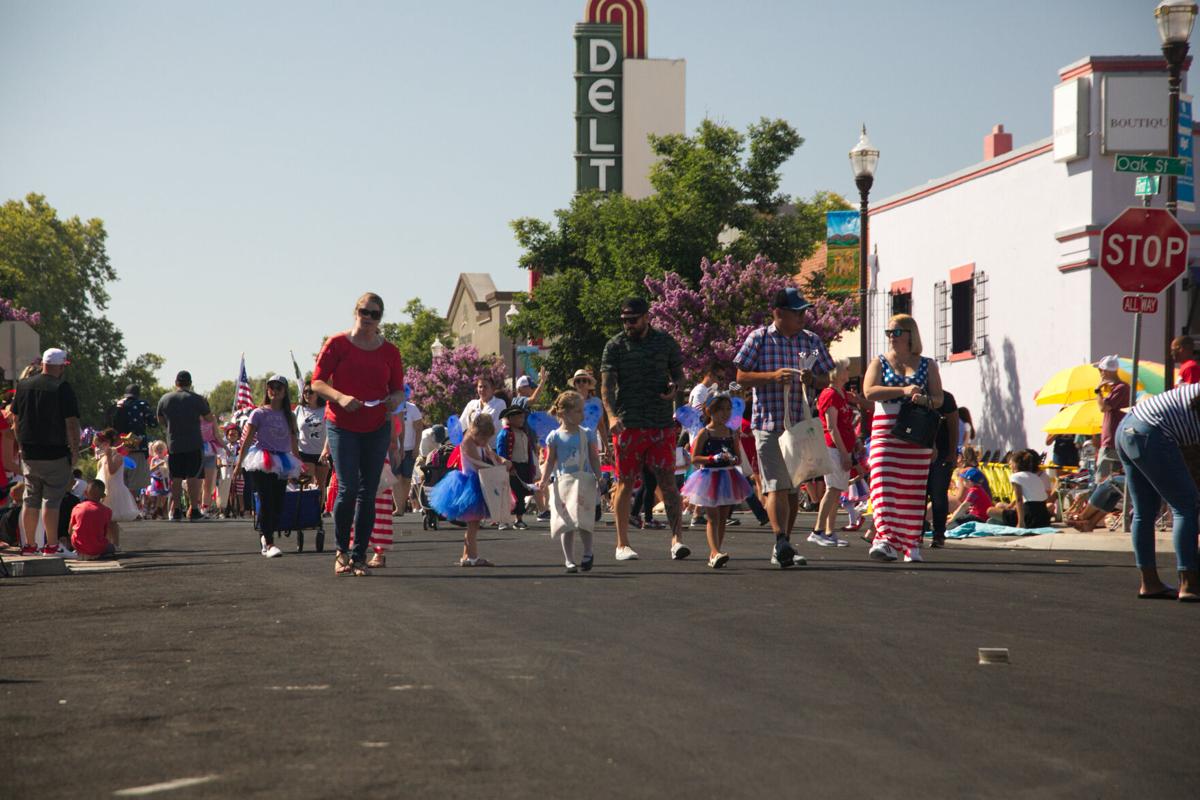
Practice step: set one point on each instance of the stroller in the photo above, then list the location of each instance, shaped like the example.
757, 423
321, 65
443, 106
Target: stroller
436, 465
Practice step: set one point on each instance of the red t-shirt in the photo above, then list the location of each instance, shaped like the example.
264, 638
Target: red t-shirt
1189, 371
978, 502
363, 374
845, 417
89, 524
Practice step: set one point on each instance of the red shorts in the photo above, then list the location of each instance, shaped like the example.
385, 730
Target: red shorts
651, 447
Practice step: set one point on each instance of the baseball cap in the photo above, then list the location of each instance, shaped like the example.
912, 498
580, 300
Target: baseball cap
973, 475
1108, 364
55, 357
132, 390
523, 381
634, 307
790, 298
277, 378
183, 378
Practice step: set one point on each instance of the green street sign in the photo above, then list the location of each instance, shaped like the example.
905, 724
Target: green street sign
1150, 165
1146, 185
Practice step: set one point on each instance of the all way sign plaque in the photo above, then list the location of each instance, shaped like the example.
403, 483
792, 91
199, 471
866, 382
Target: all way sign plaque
1139, 304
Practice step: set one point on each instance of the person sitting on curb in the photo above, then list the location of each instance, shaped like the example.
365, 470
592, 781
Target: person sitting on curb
94, 535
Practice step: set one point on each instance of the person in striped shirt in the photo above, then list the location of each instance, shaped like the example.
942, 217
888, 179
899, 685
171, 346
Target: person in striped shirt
1148, 443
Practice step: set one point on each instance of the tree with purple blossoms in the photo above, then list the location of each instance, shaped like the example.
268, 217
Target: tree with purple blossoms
11, 311
711, 322
449, 383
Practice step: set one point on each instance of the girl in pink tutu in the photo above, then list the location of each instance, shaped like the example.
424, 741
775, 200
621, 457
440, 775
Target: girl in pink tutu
718, 484
459, 496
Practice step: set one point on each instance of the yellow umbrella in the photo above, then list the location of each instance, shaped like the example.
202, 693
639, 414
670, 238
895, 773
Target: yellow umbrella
1074, 384
1084, 417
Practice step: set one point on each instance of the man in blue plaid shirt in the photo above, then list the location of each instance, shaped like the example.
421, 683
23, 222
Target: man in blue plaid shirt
782, 353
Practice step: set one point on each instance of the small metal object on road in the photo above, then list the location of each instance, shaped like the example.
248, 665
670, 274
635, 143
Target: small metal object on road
993, 655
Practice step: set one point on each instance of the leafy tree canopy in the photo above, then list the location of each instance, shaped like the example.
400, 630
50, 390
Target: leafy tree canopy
716, 195
60, 268
415, 337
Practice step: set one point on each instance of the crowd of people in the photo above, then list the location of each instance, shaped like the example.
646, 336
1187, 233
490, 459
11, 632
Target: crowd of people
895, 443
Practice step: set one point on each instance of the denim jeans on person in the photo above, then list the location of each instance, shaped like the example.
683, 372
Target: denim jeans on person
357, 461
1155, 471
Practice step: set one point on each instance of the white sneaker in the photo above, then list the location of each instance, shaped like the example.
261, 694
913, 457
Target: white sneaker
718, 561
572, 568
272, 552
824, 540
680, 551
913, 555
837, 540
503, 526
626, 554
882, 552
262, 540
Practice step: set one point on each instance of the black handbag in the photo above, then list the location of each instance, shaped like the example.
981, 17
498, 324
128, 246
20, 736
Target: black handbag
916, 424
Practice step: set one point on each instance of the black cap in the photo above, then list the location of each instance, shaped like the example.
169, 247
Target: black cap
790, 298
634, 307
183, 378
132, 390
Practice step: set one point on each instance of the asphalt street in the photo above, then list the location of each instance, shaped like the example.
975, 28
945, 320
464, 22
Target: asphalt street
201, 660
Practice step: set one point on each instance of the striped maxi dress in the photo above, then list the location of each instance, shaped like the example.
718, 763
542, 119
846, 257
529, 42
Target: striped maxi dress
899, 470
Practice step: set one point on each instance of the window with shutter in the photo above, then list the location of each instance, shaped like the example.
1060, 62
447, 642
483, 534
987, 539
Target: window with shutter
979, 345
941, 323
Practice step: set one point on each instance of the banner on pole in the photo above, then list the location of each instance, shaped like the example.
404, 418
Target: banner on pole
841, 262
1185, 186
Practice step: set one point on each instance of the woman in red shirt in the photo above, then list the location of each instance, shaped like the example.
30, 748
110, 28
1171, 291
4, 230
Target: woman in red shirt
361, 376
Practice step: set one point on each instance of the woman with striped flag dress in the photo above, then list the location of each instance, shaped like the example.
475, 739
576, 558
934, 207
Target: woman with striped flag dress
899, 469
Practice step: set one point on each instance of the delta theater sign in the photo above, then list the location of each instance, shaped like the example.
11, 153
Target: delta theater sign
614, 30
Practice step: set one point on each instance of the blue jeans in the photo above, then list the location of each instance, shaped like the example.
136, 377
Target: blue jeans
357, 461
1154, 472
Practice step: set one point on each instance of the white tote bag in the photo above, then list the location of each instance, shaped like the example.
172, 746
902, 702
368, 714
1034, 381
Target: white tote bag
803, 444
497, 494
573, 495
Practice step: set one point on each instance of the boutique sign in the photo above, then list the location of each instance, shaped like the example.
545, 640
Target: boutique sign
1134, 109
599, 56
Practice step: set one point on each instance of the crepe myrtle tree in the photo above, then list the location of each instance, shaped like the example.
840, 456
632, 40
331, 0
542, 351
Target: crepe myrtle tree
710, 322
449, 382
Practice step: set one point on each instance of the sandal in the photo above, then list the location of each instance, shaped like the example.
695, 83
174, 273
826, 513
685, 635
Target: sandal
359, 569
341, 564
377, 561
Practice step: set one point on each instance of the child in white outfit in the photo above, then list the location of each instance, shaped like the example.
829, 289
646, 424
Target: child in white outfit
573, 460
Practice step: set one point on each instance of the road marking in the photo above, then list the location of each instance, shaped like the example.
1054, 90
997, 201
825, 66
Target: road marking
375, 744
166, 786
312, 687
404, 687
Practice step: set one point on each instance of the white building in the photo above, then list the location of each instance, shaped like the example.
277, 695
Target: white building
998, 261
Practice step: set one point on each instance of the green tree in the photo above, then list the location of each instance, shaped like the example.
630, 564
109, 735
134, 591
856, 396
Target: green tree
716, 195
415, 337
61, 269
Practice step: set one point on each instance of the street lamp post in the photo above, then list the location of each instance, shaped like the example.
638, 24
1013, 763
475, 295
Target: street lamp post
1175, 20
437, 348
863, 160
509, 316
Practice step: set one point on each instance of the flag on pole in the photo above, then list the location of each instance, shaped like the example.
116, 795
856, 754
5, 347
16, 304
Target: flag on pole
242, 397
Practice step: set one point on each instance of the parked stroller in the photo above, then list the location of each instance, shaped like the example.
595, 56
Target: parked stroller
436, 465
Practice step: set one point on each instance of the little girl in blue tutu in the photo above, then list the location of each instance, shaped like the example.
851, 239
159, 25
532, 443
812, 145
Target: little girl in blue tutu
459, 496
719, 483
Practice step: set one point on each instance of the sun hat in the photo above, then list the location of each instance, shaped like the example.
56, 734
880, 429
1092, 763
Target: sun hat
582, 373
1108, 364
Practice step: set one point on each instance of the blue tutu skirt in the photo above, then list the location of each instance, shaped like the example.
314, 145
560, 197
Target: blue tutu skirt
459, 497
285, 465
712, 487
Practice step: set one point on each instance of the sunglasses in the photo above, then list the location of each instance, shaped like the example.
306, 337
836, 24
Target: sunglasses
631, 320
894, 333
370, 312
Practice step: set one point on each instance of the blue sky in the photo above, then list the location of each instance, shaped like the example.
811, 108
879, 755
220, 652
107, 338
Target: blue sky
260, 164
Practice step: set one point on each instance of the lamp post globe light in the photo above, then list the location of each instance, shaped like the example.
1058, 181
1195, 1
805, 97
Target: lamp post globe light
437, 348
1175, 21
509, 316
863, 160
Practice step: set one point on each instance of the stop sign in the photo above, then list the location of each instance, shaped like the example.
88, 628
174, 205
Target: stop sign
1144, 250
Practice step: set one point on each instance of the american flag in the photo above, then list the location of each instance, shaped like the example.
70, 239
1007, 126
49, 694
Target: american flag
242, 398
